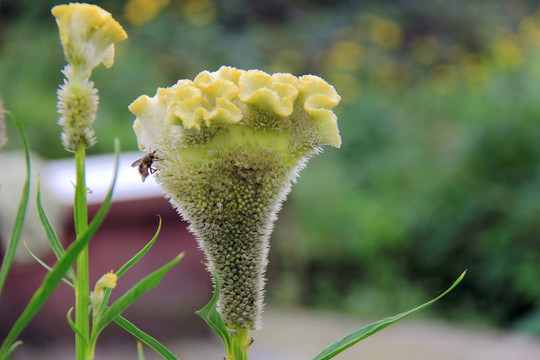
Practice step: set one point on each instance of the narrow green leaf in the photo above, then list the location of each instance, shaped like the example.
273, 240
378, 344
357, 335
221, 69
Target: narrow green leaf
140, 254
52, 238
133, 294
13, 347
145, 338
72, 324
371, 329
127, 266
21, 212
213, 318
140, 352
42, 263
53, 278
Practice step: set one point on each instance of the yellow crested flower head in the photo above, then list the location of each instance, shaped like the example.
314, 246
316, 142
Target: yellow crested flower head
88, 34
226, 148
230, 100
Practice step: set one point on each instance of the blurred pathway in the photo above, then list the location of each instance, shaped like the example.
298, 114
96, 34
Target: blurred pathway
300, 335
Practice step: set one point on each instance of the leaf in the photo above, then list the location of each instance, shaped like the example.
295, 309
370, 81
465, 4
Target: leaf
21, 212
52, 238
13, 347
213, 318
53, 278
73, 326
42, 263
128, 265
133, 294
145, 338
140, 352
371, 329
140, 254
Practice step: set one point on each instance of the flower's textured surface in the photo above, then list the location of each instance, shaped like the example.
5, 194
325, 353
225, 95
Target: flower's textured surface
228, 145
3, 138
77, 106
88, 34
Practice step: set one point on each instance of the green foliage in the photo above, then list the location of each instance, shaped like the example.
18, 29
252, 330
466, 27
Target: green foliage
52, 238
57, 273
145, 338
21, 212
353, 338
213, 318
148, 282
426, 187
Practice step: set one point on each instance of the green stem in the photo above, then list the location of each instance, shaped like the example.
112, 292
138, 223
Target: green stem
80, 213
239, 345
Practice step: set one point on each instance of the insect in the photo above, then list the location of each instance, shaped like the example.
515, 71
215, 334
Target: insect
145, 165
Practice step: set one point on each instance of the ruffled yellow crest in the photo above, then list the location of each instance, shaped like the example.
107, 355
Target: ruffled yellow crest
88, 34
231, 97
151, 114
207, 100
319, 98
270, 92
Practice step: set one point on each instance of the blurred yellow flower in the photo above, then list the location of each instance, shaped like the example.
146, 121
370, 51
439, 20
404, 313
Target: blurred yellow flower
346, 56
140, 12
200, 12
386, 33
475, 70
393, 75
345, 84
529, 30
444, 79
88, 34
287, 60
426, 50
507, 53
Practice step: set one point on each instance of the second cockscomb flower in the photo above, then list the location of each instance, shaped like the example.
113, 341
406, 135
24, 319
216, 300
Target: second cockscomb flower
88, 34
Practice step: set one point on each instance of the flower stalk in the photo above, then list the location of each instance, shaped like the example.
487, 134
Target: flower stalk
88, 34
240, 343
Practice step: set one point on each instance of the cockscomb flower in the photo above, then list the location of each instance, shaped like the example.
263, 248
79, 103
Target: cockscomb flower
88, 34
227, 147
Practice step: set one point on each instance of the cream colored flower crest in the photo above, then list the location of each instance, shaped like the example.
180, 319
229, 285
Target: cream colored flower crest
279, 102
88, 34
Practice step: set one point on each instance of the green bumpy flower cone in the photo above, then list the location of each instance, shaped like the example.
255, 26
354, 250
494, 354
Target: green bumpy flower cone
227, 147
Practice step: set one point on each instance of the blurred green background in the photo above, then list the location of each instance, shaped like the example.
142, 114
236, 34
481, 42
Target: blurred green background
440, 119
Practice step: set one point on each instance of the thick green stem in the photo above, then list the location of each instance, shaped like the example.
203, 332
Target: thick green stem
80, 214
239, 345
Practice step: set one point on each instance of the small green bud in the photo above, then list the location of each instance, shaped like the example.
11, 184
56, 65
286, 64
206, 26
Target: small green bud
107, 281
